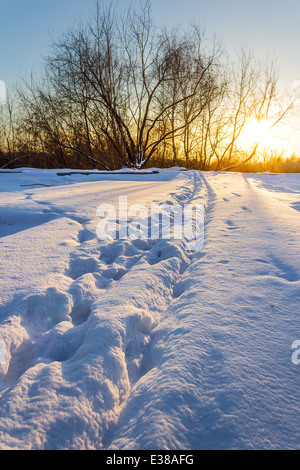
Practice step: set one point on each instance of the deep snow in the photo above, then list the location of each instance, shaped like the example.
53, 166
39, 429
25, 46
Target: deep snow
142, 344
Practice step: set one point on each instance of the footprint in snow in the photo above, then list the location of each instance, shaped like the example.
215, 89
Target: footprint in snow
231, 225
42, 312
80, 266
86, 235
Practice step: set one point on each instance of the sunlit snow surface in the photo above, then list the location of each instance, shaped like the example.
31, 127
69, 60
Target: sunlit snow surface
141, 344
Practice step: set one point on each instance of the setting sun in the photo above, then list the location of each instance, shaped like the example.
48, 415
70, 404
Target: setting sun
262, 133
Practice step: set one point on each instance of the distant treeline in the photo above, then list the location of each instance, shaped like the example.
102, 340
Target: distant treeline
116, 91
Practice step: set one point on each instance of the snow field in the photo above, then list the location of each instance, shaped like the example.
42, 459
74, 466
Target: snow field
77, 348
142, 344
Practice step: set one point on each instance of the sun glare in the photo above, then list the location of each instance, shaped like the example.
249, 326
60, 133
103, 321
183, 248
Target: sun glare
262, 133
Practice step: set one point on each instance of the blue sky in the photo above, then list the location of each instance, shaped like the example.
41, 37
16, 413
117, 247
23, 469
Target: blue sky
268, 27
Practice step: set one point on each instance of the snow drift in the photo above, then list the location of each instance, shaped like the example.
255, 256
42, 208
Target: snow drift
141, 343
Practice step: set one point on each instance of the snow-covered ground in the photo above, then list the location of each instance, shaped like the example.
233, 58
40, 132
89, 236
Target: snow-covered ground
143, 344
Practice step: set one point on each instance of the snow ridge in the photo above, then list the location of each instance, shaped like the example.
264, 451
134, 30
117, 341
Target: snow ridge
87, 343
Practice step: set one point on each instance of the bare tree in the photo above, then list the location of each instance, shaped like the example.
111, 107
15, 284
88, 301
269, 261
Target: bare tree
121, 79
249, 92
116, 91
